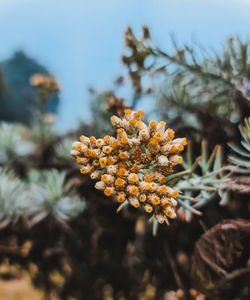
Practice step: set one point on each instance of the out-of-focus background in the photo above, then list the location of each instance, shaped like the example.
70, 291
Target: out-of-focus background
80, 42
65, 68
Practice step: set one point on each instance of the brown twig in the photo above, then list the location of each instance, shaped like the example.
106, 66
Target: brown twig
173, 267
232, 276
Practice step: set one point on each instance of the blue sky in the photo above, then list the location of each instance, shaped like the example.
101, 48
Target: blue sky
81, 41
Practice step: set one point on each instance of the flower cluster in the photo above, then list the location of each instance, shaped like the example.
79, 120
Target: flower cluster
45, 82
134, 166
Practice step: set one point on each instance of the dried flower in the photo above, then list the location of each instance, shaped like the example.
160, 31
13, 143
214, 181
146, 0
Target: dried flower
116, 105
45, 82
134, 166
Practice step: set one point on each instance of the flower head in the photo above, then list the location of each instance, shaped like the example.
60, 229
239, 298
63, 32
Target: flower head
134, 165
44, 82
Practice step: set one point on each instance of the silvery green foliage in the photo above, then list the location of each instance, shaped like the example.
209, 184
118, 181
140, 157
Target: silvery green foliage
42, 131
242, 159
202, 82
14, 197
207, 81
194, 80
63, 148
201, 181
51, 195
45, 193
12, 143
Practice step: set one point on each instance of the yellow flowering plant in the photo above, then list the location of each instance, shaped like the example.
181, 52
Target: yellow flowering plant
133, 167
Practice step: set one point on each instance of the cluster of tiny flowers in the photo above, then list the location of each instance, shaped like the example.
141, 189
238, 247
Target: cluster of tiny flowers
44, 82
133, 166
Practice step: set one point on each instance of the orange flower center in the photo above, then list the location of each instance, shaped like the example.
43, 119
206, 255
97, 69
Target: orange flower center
87, 153
92, 139
110, 161
122, 172
108, 191
134, 190
124, 140
114, 145
153, 141
106, 139
148, 178
103, 162
127, 111
120, 199
132, 122
175, 194
153, 124
123, 155
104, 178
120, 130
119, 182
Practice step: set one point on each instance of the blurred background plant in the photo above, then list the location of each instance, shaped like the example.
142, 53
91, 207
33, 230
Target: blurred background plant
243, 164
20, 100
13, 144
57, 227
198, 88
